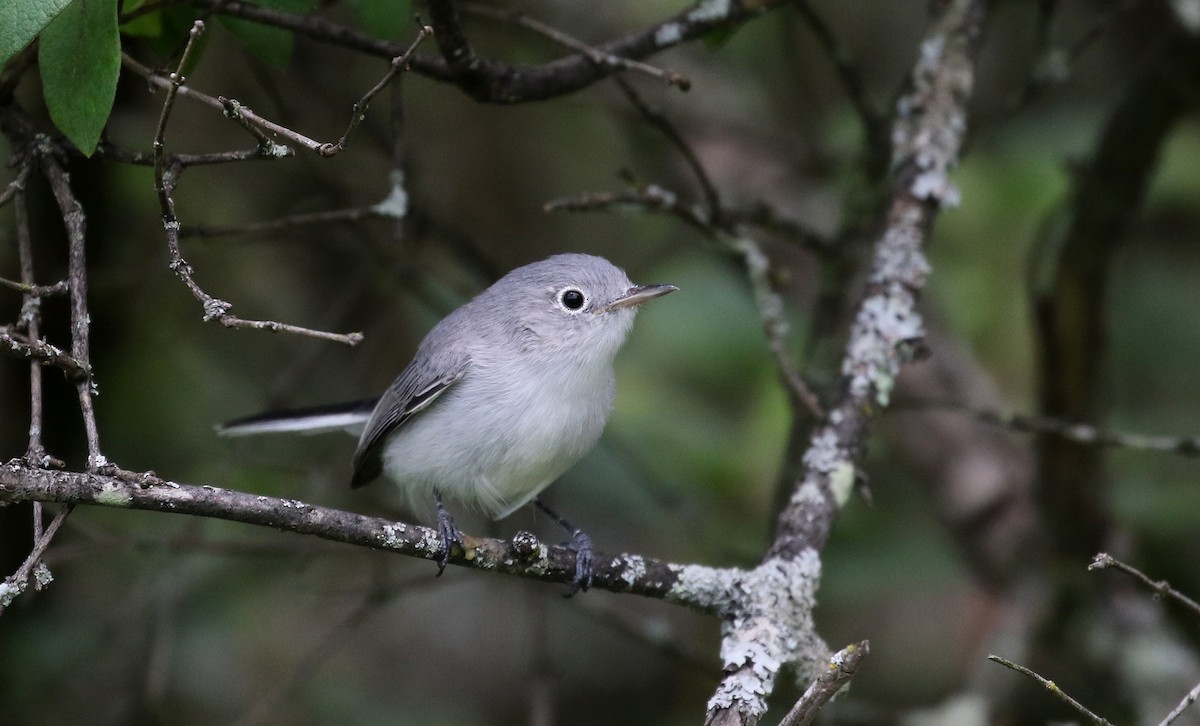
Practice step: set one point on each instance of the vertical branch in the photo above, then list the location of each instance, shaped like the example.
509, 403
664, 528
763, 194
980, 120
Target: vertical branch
31, 319
768, 628
75, 222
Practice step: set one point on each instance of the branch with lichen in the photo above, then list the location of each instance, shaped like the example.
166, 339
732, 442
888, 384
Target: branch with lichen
927, 135
707, 589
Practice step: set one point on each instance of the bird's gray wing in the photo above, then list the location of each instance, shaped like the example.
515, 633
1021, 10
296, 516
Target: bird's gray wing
418, 386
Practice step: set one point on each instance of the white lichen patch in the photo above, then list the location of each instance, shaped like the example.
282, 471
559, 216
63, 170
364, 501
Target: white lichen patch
823, 454
634, 569
9, 589
709, 588
668, 34
113, 495
42, 575
709, 10
773, 626
392, 535
396, 203
872, 361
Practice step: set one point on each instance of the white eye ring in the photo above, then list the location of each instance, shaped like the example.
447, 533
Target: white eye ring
572, 299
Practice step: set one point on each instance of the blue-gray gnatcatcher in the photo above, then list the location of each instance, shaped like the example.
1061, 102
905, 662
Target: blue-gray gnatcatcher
503, 395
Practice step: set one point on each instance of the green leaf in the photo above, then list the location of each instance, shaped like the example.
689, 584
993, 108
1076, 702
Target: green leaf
21, 21
80, 60
387, 19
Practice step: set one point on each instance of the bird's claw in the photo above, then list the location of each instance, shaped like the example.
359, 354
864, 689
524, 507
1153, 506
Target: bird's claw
450, 536
584, 566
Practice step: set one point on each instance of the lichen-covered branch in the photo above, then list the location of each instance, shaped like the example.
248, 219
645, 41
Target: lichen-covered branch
708, 589
887, 332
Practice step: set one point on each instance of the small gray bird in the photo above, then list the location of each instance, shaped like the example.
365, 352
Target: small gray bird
503, 395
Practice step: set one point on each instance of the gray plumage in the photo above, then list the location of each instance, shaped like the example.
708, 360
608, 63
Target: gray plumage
504, 394
509, 390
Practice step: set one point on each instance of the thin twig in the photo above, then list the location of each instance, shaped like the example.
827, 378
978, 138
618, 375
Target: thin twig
108, 150
75, 222
664, 126
16, 583
355, 214
1051, 686
599, 57
251, 121
174, 85
1188, 700
15, 186
775, 325
164, 178
31, 318
1161, 588
1080, 433
399, 65
58, 288
655, 198
498, 82
842, 667
874, 123
17, 344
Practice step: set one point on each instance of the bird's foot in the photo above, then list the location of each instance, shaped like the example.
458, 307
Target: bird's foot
449, 534
584, 567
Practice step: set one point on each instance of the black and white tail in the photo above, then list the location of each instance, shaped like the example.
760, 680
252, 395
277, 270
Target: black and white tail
349, 417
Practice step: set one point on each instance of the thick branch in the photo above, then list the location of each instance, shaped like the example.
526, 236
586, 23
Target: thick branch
1071, 309
498, 82
927, 135
706, 589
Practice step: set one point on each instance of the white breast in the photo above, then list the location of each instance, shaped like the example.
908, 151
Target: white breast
494, 441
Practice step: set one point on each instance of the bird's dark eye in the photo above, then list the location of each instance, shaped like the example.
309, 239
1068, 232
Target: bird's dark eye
571, 299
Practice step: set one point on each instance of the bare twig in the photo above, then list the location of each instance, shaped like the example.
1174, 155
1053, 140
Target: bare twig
1080, 433
874, 122
842, 667
15, 186
74, 221
108, 150
599, 57
289, 222
16, 583
1049, 685
1176, 712
1161, 588
399, 65
497, 82
655, 198
663, 125
31, 318
16, 344
58, 288
214, 308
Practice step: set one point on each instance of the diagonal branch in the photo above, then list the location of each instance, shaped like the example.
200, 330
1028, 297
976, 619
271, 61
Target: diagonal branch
165, 179
494, 81
927, 135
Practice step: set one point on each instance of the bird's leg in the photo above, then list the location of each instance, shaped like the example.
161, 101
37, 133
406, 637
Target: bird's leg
581, 544
449, 532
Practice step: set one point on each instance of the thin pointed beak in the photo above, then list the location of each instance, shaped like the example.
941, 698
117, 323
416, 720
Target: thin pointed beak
635, 296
